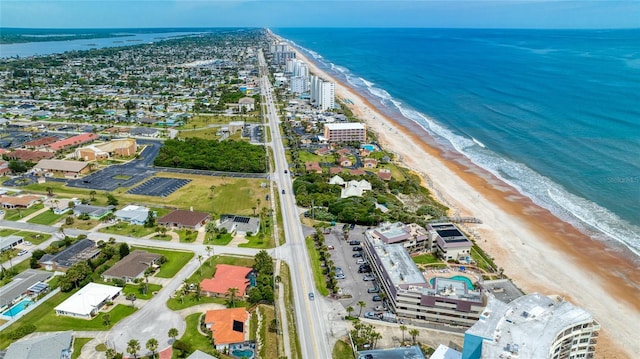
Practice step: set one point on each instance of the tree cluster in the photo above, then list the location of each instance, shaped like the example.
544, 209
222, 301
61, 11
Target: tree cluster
203, 154
263, 291
364, 335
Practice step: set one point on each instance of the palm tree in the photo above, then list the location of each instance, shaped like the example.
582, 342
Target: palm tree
50, 191
92, 194
173, 333
106, 319
349, 310
403, 328
200, 261
133, 346
414, 333
232, 296
110, 353
361, 304
209, 250
211, 189
152, 346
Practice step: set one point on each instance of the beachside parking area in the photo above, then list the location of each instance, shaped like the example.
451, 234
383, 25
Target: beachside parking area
353, 283
159, 186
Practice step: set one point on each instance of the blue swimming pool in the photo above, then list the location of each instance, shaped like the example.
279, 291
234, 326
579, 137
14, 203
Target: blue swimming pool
458, 278
245, 353
17, 308
369, 148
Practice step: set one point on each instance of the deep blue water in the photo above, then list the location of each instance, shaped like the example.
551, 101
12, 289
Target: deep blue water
556, 114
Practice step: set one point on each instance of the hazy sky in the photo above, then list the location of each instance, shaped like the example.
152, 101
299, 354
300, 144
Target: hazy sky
320, 13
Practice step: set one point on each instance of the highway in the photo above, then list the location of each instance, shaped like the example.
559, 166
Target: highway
309, 313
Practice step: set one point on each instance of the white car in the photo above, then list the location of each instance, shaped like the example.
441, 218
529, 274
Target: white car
361, 261
23, 252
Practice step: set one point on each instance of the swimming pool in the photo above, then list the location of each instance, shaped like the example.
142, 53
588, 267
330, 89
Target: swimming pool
458, 278
369, 148
246, 353
17, 308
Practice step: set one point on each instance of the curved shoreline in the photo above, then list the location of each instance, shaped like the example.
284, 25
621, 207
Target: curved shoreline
537, 250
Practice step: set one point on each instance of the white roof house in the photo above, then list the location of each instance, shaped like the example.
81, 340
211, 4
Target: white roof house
355, 188
88, 301
336, 180
133, 214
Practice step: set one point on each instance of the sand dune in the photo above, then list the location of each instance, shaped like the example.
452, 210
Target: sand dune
537, 250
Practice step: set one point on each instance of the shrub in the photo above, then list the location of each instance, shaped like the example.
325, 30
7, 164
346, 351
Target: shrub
21, 331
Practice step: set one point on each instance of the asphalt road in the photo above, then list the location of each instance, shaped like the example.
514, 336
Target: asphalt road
309, 313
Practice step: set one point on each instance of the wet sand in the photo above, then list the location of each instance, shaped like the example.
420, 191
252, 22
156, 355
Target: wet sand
540, 252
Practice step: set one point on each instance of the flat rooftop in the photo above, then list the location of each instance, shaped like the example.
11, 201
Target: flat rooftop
345, 126
397, 262
412, 352
503, 289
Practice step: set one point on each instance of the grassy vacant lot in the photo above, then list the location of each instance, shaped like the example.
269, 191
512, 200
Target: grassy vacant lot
16, 214
175, 260
46, 218
222, 241
342, 350
306, 156
259, 242
85, 224
127, 229
45, 319
78, 344
269, 338
318, 277
230, 195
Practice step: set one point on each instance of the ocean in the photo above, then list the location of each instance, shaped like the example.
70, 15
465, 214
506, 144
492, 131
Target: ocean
554, 113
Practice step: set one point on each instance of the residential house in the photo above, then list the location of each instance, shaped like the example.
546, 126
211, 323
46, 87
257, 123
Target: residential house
384, 174
312, 167
10, 242
13, 202
226, 276
144, 132
81, 250
356, 172
370, 163
94, 212
239, 224
87, 302
132, 267
345, 162
228, 326
28, 283
185, 219
133, 214
58, 345
355, 188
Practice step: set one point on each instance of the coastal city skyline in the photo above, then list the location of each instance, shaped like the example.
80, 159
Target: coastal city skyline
546, 14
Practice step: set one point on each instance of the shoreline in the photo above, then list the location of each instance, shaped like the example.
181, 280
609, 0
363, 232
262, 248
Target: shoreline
521, 236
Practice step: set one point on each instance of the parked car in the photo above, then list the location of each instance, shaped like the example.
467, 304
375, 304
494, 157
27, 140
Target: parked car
357, 255
354, 242
373, 290
380, 307
340, 276
372, 315
357, 249
361, 261
364, 270
330, 247
377, 298
282, 191
368, 278
311, 296
23, 252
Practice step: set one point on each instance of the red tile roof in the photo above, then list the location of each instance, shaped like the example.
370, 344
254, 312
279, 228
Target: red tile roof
27, 155
221, 321
227, 276
40, 142
73, 141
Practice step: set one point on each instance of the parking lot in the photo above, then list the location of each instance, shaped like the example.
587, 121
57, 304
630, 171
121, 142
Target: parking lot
159, 186
353, 283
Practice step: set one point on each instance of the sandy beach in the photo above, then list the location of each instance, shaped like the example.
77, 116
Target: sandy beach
538, 251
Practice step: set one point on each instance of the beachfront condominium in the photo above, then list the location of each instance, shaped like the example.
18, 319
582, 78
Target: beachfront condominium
532, 326
281, 53
410, 295
449, 243
299, 84
345, 132
322, 93
296, 67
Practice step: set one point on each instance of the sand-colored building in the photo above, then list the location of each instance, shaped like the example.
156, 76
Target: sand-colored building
65, 168
121, 147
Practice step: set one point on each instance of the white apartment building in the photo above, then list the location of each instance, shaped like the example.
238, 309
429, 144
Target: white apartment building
345, 132
299, 84
532, 326
322, 93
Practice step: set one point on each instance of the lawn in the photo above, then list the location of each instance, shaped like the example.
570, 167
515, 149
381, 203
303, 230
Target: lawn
258, 242
46, 218
85, 224
33, 237
222, 241
45, 319
137, 290
78, 344
269, 338
426, 259
318, 277
193, 336
306, 156
342, 350
16, 214
187, 235
175, 260
205, 133
127, 229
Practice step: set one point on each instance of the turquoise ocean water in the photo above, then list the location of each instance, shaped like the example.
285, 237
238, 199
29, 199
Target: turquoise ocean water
556, 114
